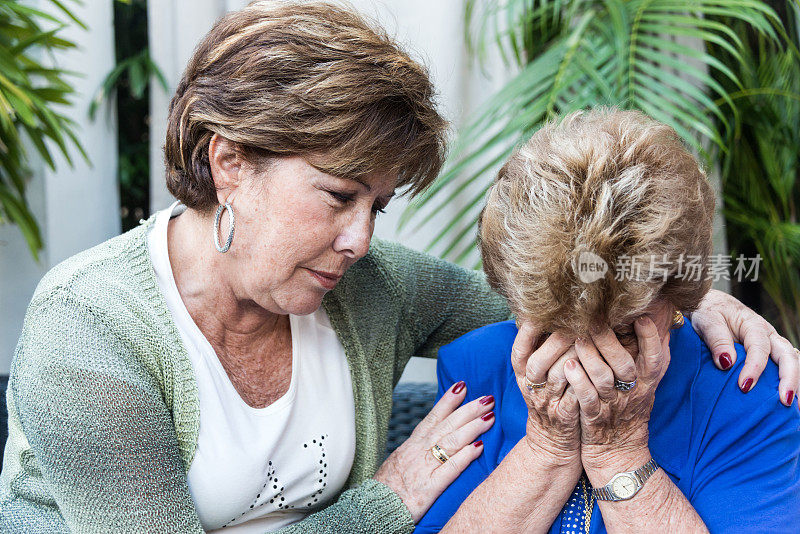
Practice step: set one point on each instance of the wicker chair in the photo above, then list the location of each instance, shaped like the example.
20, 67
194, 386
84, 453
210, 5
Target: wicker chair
411, 402
3, 415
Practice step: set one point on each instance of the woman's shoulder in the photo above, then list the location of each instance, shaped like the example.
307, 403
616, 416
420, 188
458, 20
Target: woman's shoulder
105, 271
110, 289
721, 401
724, 444
435, 299
488, 342
713, 391
696, 395
403, 265
480, 354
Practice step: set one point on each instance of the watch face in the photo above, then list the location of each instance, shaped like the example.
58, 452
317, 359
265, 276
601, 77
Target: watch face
624, 487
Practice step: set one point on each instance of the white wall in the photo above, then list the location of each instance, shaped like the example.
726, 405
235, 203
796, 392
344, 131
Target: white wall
76, 207
175, 27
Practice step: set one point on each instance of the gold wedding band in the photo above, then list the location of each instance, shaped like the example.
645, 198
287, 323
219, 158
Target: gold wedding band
439, 453
531, 386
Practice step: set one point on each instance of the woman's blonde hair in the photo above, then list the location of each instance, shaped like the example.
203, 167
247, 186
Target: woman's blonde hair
606, 187
294, 78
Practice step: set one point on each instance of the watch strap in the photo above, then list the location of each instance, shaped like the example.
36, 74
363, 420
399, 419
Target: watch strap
602, 494
641, 475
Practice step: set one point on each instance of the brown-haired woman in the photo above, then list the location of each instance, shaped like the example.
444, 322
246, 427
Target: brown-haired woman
216, 371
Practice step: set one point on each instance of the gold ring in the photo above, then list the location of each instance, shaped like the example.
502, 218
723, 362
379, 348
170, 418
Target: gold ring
530, 385
439, 453
677, 319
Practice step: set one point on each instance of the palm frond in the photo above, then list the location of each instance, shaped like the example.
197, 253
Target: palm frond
28, 92
761, 169
651, 55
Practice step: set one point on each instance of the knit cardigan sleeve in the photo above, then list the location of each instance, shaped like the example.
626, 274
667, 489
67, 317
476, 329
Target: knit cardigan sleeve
441, 301
100, 432
103, 451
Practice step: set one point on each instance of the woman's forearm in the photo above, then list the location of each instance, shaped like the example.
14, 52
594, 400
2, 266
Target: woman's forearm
525, 493
658, 507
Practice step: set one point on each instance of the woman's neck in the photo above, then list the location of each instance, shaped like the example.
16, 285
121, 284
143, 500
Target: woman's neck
226, 317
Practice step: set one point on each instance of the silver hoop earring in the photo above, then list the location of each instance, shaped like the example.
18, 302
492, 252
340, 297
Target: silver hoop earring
231, 219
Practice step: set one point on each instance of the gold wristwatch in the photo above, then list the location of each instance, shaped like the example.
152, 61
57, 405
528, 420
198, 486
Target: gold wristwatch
624, 486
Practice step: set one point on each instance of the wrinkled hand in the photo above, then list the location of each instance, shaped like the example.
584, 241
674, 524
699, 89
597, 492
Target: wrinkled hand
414, 473
614, 420
552, 410
722, 320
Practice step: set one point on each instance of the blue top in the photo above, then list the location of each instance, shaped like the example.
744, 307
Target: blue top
734, 456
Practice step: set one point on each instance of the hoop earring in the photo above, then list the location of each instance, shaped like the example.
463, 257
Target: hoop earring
231, 219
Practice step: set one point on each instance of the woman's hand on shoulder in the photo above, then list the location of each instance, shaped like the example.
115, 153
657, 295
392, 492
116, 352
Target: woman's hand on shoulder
722, 320
414, 472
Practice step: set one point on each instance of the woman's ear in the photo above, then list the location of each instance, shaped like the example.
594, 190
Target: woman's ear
664, 317
226, 167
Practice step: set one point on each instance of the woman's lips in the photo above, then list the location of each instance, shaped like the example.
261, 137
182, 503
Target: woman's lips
326, 280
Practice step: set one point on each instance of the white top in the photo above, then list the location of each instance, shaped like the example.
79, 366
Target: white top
260, 469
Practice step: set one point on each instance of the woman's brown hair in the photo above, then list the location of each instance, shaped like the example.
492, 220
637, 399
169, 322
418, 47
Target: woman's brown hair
303, 79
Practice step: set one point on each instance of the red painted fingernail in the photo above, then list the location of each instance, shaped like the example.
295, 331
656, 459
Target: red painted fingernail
488, 399
487, 416
458, 387
789, 397
725, 361
478, 443
747, 385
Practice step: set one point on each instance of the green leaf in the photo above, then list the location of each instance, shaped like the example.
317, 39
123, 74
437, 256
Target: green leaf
602, 52
658, 47
27, 92
69, 13
138, 77
153, 68
681, 118
683, 90
19, 212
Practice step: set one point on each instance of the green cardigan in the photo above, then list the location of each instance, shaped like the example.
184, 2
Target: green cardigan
102, 401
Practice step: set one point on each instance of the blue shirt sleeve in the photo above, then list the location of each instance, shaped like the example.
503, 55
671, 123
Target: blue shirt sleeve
745, 474
480, 359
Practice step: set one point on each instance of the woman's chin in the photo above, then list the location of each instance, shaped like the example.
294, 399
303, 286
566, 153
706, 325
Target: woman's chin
304, 305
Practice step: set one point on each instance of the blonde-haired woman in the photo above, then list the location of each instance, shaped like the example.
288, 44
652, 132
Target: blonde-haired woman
229, 364
610, 416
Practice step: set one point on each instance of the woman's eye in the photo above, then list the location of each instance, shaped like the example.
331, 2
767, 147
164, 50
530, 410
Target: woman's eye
341, 197
344, 198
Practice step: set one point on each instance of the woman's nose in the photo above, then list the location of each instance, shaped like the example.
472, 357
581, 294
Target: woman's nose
354, 238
